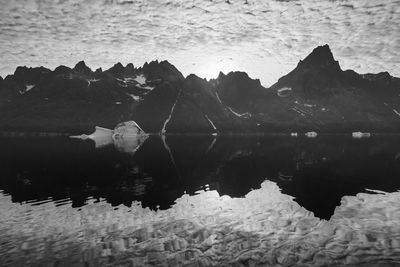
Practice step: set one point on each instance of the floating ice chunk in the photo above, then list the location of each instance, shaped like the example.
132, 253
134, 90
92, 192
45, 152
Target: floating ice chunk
101, 136
360, 135
129, 144
311, 134
293, 134
396, 112
127, 129
118, 103
324, 109
126, 136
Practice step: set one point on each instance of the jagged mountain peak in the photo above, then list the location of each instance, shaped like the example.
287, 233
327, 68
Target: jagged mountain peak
161, 70
129, 69
22, 70
118, 68
321, 56
81, 67
62, 70
239, 77
193, 81
377, 76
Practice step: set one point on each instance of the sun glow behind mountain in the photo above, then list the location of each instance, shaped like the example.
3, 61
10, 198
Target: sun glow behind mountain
208, 66
264, 38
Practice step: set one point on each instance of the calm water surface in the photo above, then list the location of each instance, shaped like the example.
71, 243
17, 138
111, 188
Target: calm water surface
317, 172
65, 177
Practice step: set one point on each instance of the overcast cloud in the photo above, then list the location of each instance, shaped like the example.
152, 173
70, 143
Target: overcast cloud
264, 38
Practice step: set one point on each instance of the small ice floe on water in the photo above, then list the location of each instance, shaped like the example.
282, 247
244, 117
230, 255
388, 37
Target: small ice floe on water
126, 136
396, 112
284, 91
118, 103
311, 134
360, 135
293, 134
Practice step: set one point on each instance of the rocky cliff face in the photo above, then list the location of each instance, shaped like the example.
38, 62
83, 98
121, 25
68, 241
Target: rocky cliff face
317, 95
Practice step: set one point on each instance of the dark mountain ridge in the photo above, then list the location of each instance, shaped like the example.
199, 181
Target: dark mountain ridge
317, 95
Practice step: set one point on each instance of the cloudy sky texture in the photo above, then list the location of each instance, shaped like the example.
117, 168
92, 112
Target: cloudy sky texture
265, 38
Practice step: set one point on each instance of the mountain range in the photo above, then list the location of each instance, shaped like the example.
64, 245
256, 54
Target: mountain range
317, 95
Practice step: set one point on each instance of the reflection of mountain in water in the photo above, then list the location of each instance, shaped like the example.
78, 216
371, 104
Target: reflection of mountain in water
265, 228
316, 172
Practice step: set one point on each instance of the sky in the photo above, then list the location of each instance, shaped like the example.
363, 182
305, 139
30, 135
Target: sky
265, 38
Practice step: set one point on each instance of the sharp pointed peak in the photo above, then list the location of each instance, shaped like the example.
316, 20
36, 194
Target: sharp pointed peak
321, 56
82, 67
80, 64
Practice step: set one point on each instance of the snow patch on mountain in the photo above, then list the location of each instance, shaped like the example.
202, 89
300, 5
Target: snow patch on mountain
134, 97
211, 123
90, 81
219, 99
164, 128
140, 79
284, 92
28, 87
240, 115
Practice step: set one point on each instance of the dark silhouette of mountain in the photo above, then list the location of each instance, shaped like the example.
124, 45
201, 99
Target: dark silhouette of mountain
328, 98
82, 68
317, 95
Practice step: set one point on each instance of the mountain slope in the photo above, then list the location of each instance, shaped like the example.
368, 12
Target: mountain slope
317, 95
330, 99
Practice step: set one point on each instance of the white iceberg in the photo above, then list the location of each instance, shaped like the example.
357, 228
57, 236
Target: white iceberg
311, 134
360, 135
126, 136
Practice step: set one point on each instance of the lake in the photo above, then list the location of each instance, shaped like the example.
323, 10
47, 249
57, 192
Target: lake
53, 190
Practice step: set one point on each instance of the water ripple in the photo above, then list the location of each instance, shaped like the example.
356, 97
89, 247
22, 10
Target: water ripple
265, 228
